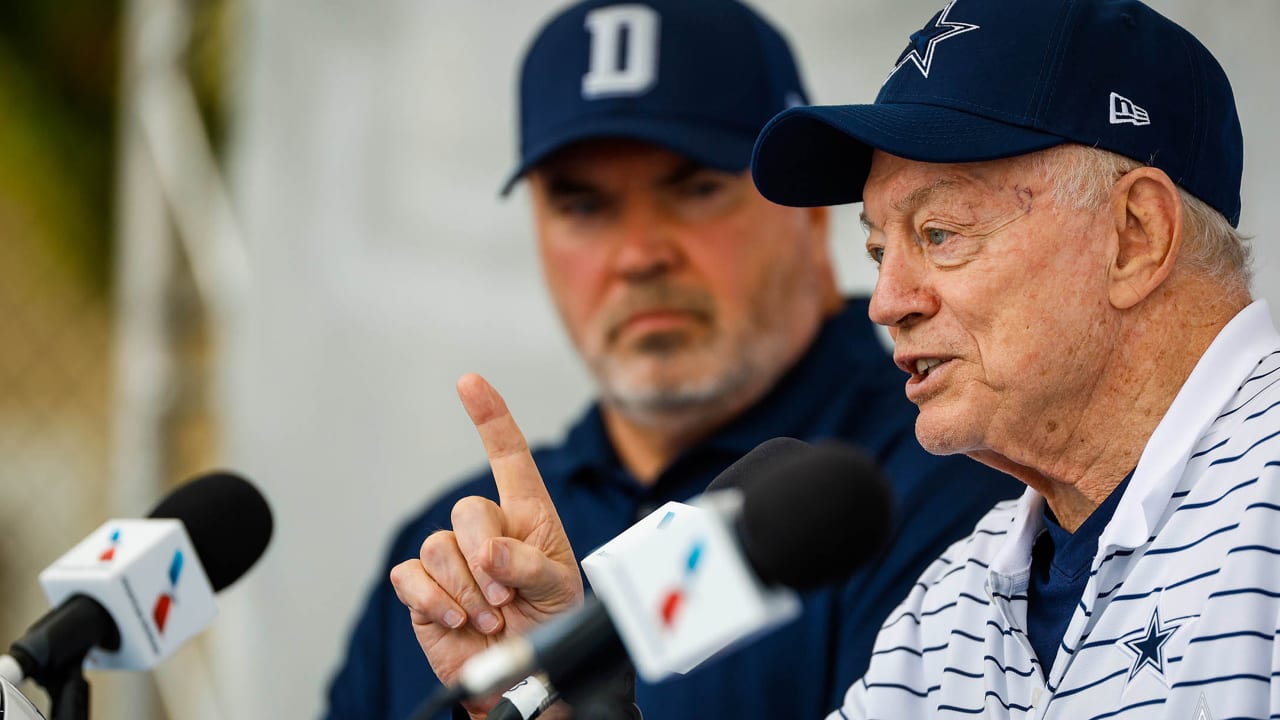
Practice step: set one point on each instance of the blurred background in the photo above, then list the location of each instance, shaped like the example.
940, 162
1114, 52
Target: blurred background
267, 236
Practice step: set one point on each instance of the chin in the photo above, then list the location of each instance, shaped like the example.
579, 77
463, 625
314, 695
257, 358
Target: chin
667, 385
664, 395
945, 433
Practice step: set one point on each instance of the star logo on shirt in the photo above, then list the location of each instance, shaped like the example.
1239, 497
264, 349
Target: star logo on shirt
1202, 709
926, 40
1147, 646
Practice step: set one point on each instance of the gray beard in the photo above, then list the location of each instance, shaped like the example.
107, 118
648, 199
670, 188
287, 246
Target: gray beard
659, 403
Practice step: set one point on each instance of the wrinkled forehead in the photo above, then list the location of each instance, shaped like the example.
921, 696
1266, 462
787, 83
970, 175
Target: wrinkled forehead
897, 185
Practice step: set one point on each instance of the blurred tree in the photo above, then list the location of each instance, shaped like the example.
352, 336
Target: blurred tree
59, 75
57, 88
59, 79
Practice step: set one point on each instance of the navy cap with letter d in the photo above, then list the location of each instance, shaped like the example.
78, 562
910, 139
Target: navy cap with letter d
989, 79
699, 77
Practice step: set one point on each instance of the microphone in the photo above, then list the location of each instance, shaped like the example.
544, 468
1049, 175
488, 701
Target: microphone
785, 517
764, 461
692, 580
134, 590
528, 698
525, 700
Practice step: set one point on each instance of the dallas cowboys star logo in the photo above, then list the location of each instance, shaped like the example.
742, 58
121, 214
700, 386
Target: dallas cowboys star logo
1147, 646
1202, 709
925, 41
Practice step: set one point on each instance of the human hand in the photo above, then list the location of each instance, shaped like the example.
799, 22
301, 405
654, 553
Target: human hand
504, 568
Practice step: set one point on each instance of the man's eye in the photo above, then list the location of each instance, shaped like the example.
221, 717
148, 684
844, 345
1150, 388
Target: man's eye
936, 236
702, 188
581, 206
876, 254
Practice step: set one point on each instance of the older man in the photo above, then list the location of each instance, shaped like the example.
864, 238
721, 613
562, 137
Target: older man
1051, 191
710, 320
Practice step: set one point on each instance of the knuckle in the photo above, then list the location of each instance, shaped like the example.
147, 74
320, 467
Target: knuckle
468, 507
471, 599
401, 573
438, 548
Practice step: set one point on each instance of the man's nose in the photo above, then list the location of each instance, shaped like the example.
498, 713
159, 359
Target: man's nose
646, 246
902, 296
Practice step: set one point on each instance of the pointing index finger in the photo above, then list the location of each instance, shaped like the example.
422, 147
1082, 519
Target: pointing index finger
520, 485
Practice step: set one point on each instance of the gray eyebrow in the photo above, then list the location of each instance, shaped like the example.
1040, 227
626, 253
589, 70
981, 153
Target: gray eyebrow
920, 195
913, 199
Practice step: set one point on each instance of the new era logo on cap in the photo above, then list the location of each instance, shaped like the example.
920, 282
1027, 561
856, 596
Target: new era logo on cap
1124, 111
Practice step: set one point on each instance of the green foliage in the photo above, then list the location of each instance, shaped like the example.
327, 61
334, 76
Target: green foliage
58, 79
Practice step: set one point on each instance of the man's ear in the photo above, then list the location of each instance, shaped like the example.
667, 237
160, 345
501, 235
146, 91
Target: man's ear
1147, 212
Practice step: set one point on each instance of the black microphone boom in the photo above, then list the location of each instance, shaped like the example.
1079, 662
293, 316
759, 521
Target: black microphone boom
816, 517
227, 519
763, 462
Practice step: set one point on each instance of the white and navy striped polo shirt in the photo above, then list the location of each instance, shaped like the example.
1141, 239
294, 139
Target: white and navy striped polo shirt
1181, 613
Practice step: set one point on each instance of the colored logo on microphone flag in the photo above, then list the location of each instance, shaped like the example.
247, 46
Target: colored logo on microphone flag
679, 590
674, 599
110, 553
160, 611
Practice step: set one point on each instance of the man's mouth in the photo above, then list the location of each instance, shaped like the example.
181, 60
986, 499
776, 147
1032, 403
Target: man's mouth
656, 320
924, 365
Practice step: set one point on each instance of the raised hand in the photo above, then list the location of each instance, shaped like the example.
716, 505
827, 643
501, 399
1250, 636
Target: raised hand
504, 568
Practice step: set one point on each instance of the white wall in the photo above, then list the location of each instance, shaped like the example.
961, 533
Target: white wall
371, 140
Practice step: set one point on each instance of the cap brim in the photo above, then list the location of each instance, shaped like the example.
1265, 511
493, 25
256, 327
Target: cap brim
718, 148
820, 155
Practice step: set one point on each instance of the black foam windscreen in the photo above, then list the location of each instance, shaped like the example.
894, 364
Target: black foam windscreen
812, 517
761, 462
228, 520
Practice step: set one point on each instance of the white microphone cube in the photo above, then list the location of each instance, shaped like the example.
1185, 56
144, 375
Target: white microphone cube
679, 590
148, 576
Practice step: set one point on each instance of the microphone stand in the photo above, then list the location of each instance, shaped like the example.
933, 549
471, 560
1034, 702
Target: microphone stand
607, 696
607, 707
68, 691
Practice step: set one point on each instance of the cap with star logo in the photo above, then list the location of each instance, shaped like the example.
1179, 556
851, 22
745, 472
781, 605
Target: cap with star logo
989, 79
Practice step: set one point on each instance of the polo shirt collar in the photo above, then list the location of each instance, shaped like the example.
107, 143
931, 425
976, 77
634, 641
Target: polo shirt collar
845, 342
1233, 354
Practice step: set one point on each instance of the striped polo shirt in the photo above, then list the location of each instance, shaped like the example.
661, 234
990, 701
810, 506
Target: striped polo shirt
1182, 607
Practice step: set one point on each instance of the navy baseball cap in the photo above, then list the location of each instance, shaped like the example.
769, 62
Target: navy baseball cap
989, 79
699, 77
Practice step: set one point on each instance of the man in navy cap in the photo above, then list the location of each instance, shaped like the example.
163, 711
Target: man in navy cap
710, 320
1051, 192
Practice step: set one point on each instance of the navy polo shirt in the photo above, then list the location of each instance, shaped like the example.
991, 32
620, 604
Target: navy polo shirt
845, 386
1060, 562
